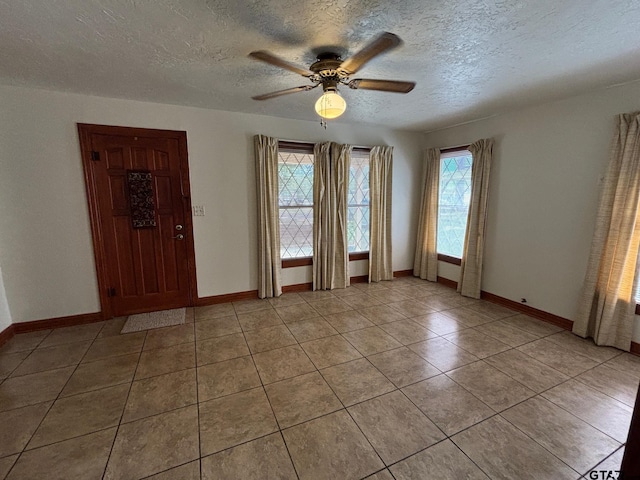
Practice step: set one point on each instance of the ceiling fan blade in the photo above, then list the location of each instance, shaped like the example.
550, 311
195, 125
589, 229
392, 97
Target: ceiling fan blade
279, 93
384, 42
267, 57
382, 85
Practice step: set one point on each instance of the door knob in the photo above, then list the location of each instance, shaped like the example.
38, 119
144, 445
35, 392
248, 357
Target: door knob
179, 236
178, 227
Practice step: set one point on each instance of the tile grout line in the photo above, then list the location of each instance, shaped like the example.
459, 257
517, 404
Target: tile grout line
495, 414
358, 425
499, 413
195, 358
537, 442
604, 459
467, 456
57, 397
559, 406
133, 378
168, 469
346, 409
537, 394
446, 437
53, 401
599, 391
50, 369
572, 414
331, 388
25, 359
269, 401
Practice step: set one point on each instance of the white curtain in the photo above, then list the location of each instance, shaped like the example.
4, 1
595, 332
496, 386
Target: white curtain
471, 266
425, 264
330, 191
269, 264
607, 309
380, 179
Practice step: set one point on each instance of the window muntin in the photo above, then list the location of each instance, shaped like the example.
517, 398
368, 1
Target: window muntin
358, 202
454, 196
295, 185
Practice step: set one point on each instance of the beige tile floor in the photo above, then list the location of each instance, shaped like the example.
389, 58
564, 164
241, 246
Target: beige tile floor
403, 379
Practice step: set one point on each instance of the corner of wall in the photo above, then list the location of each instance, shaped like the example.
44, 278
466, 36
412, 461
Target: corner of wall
5, 312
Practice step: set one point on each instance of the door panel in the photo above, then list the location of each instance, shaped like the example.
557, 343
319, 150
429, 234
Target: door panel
146, 267
118, 192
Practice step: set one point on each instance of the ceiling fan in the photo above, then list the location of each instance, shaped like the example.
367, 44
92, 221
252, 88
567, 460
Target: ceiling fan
329, 70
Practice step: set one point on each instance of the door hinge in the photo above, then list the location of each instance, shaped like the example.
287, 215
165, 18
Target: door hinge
111, 292
95, 156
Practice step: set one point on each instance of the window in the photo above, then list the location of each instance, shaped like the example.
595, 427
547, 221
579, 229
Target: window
358, 202
453, 204
295, 184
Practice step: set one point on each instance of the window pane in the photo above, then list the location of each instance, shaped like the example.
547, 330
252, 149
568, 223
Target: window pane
295, 179
295, 183
453, 204
358, 203
358, 229
296, 232
359, 181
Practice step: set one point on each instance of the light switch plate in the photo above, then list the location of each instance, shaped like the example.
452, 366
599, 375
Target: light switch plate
198, 210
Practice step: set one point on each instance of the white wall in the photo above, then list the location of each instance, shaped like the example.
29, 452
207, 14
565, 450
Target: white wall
545, 180
45, 239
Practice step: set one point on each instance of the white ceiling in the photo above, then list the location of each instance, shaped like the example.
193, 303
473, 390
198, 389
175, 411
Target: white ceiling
470, 58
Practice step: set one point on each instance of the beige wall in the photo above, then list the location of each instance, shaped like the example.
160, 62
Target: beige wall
45, 240
545, 181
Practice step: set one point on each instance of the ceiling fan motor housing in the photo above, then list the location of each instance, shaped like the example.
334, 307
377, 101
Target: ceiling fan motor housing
326, 62
328, 72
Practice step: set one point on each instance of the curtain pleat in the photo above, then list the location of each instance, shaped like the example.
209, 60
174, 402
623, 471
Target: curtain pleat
330, 192
471, 266
380, 186
425, 264
340, 165
269, 264
322, 207
607, 309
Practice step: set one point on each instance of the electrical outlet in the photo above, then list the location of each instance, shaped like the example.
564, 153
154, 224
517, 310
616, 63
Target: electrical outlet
198, 210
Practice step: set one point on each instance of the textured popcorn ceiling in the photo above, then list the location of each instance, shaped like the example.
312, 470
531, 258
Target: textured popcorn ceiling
471, 59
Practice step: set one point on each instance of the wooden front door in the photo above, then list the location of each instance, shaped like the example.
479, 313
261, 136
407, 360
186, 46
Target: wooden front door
137, 183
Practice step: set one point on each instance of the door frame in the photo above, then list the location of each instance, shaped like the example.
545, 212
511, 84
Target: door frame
85, 131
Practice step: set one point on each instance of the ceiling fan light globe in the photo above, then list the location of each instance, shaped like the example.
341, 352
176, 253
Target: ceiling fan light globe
330, 105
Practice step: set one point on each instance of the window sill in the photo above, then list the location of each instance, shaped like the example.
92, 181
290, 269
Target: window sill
448, 259
306, 261
297, 262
